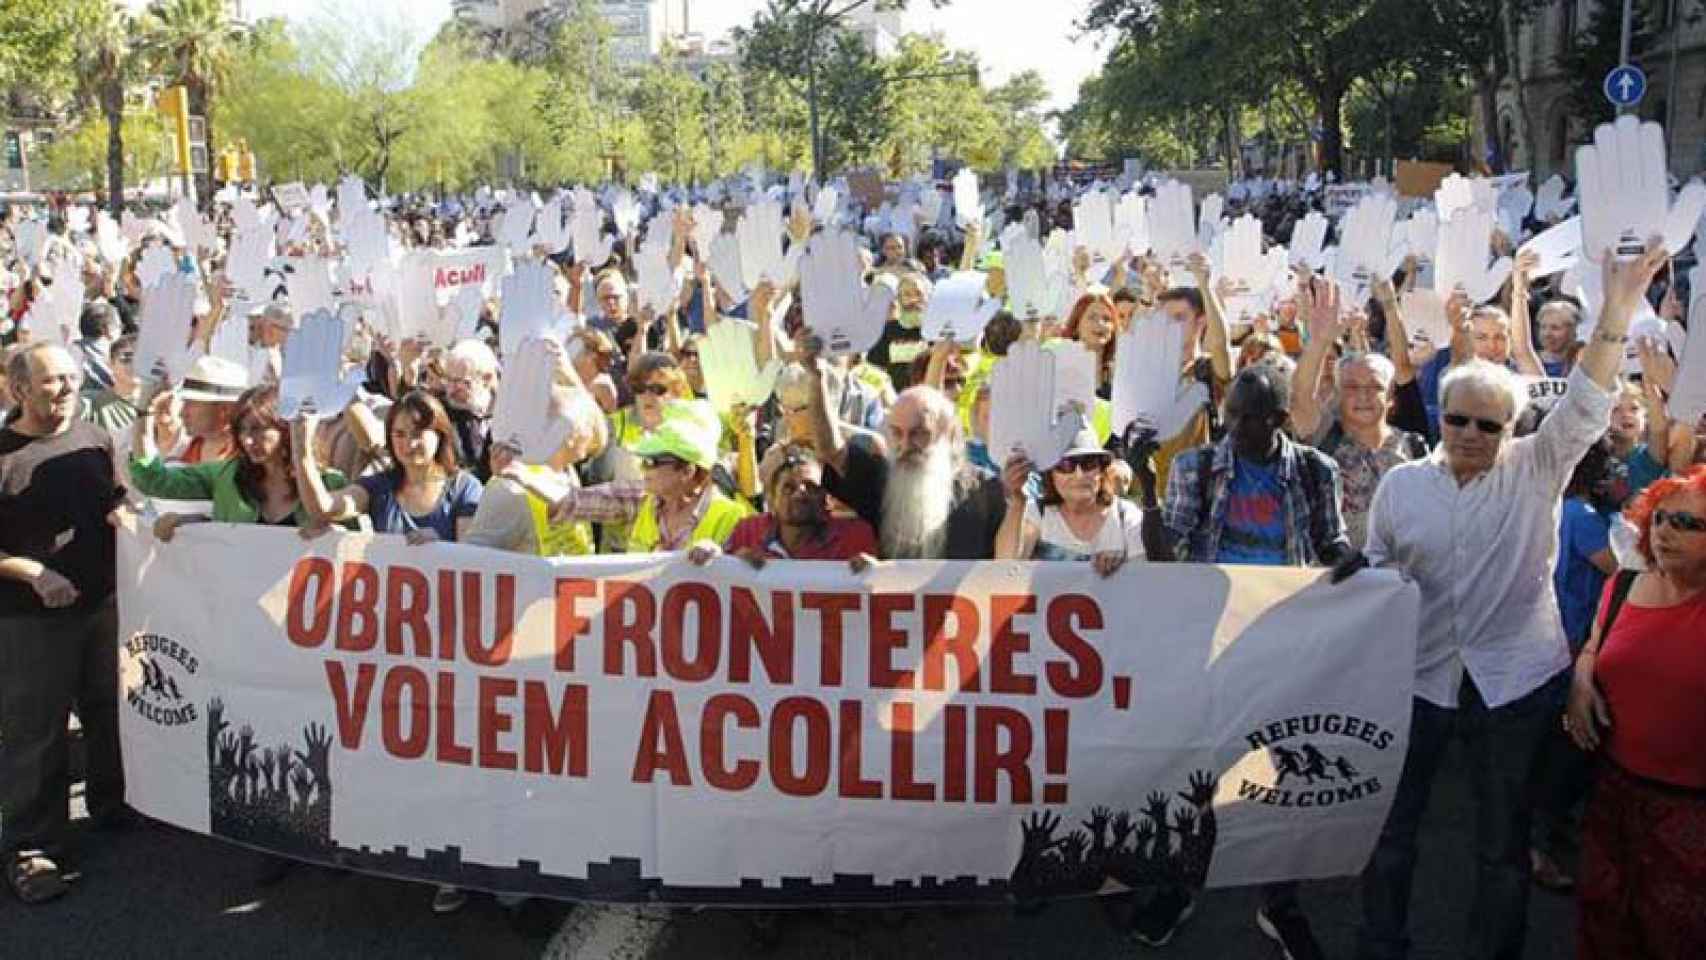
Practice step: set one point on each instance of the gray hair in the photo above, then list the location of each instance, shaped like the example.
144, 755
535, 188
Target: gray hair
795, 384
475, 353
1483, 376
1376, 363
1571, 311
18, 363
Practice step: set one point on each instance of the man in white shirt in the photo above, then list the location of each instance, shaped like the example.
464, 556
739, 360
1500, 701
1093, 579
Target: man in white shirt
1476, 526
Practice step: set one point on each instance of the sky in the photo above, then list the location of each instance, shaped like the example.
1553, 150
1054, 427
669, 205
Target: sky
1007, 35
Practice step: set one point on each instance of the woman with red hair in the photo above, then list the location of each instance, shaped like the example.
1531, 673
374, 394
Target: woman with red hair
1095, 322
1640, 693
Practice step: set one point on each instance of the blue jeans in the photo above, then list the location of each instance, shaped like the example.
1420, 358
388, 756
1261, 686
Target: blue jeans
1500, 744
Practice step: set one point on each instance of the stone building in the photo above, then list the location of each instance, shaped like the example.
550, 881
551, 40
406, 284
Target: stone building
1674, 59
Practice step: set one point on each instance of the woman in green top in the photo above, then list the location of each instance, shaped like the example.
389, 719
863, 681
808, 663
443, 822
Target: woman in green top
256, 486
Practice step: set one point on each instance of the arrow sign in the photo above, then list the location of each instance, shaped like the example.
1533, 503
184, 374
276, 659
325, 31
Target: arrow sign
1625, 86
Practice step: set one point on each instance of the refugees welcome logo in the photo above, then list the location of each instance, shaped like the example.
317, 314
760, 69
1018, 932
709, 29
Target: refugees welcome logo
1316, 760
161, 695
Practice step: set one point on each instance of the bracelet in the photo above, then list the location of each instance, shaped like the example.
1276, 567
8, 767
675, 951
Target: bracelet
1604, 337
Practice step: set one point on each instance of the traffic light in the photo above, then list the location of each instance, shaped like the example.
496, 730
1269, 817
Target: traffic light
174, 105
227, 169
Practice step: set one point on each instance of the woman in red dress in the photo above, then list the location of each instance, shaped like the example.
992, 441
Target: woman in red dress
1639, 699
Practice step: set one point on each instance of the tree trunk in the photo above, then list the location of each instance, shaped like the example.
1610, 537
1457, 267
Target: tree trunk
1513, 44
1330, 103
112, 104
1486, 89
199, 107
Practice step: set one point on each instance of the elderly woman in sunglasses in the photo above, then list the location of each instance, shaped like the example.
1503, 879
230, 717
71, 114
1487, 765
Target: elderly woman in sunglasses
1080, 515
1637, 699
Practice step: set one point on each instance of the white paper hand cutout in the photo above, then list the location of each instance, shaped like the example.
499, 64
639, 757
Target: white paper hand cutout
958, 309
1023, 413
1687, 402
1623, 187
515, 226
1365, 245
53, 315
1172, 224
587, 229
549, 230
522, 417
530, 308
311, 380
625, 210
1424, 316
155, 262
230, 340
732, 374
1308, 240
827, 205
707, 226
1514, 205
726, 267
246, 263
29, 237
1033, 282
1549, 203
1093, 227
1683, 216
1241, 259
760, 235
1461, 260
109, 240
968, 206
1209, 224
1558, 247
309, 284
1131, 223
657, 280
164, 327
848, 315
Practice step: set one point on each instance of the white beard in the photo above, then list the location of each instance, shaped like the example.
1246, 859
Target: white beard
916, 502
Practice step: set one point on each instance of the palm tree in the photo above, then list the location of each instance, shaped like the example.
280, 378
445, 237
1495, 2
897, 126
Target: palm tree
105, 66
193, 42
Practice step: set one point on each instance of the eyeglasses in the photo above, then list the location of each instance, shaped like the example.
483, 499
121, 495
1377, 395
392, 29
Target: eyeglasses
1088, 463
689, 355
655, 389
1679, 520
125, 358
1489, 427
662, 460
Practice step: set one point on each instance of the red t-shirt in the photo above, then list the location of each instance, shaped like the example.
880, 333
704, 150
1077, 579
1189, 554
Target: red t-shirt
1652, 672
842, 539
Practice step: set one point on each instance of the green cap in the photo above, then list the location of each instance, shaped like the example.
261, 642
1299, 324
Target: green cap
690, 431
992, 260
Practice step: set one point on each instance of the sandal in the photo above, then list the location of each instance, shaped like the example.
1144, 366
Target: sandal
36, 879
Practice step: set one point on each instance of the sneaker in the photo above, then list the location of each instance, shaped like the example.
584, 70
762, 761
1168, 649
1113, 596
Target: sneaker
1154, 923
35, 878
448, 899
1289, 928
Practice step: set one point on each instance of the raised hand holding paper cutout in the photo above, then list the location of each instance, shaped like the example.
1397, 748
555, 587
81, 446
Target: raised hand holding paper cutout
164, 326
760, 236
968, 206
839, 307
530, 308
1172, 224
308, 280
726, 267
549, 230
1461, 260
730, 367
1557, 248
522, 416
1549, 203
1683, 217
310, 381
959, 309
591, 246
1308, 240
1131, 223
658, 288
1623, 187
1023, 414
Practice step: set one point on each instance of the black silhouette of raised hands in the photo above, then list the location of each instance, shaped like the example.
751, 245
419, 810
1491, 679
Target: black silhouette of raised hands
245, 744
1098, 822
1184, 820
303, 781
228, 750
1157, 809
1038, 831
1121, 827
1202, 789
1142, 834
269, 763
1073, 846
318, 757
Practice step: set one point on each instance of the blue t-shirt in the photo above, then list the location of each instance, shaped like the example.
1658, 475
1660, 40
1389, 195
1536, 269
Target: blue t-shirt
1253, 529
1582, 532
460, 498
1644, 469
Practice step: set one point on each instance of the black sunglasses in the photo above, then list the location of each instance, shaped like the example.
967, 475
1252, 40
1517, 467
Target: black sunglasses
1489, 427
663, 460
1087, 463
1678, 520
655, 389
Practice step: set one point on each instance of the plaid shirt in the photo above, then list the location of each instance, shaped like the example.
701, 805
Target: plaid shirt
1313, 534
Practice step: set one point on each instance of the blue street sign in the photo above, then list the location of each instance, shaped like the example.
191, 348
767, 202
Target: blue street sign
1625, 86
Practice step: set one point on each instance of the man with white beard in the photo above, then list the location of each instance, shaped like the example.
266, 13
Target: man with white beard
470, 384
924, 500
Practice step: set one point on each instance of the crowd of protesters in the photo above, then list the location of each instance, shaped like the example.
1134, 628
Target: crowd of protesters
1561, 564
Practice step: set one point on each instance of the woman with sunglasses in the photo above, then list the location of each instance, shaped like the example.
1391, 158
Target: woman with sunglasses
256, 486
1080, 515
1639, 700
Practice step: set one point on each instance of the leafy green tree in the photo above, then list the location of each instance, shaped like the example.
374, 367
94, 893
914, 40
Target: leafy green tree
106, 65
39, 43
1018, 105
1597, 51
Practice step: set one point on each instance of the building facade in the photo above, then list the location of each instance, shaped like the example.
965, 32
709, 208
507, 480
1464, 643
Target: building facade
637, 27
1538, 126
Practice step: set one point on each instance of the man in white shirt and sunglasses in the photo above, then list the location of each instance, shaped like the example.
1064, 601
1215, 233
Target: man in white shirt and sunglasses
1476, 526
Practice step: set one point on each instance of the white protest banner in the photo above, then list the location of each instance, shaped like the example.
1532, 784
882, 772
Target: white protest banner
1340, 198
633, 727
480, 266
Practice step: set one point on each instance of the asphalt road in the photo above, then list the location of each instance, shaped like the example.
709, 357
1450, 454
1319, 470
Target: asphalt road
157, 892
